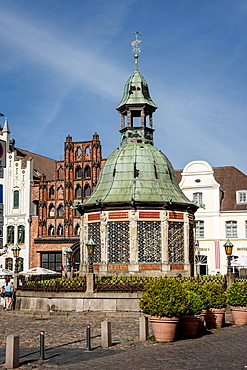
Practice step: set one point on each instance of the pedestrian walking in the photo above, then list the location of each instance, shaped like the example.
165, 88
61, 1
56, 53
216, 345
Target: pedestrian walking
8, 289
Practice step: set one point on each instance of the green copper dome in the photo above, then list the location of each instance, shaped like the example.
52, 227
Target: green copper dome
137, 172
136, 91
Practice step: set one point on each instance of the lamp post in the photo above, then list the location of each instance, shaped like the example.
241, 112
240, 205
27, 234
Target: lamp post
228, 249
16, 252
69, 253
90, 247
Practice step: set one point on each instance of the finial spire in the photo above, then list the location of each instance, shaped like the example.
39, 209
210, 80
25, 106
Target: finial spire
135, 47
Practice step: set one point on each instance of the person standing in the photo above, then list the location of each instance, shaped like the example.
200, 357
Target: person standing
8, 289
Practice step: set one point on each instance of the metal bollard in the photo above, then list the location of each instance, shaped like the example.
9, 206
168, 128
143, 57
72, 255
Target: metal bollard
88, 337
42, 345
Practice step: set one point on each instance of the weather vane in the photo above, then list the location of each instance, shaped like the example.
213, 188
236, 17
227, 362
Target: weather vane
135, 44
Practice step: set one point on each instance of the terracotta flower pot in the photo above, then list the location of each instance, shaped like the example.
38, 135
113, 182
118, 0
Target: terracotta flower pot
215, 317
164, 328
239, 315
187, 326
202, 323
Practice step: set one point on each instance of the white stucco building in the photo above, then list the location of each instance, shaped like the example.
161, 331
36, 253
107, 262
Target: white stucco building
221, 194
22, 170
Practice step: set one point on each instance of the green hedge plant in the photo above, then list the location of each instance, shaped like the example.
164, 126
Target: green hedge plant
215, 295
237, 294
164, 297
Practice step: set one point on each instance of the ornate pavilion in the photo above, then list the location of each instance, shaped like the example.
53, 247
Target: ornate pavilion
139, 218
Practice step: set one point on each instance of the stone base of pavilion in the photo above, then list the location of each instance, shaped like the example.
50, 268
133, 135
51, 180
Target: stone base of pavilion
30, 301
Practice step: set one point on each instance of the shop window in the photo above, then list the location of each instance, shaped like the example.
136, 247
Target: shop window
51, 261
21, 234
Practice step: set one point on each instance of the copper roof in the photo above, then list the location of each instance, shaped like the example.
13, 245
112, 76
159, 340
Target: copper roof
41, 165
231, 180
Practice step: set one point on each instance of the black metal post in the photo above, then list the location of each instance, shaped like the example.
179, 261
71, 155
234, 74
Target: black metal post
90, 262
229, 257
42, 345
88, 337
16, 266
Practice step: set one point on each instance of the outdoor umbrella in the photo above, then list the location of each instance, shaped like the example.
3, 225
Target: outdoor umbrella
4, 272
240, 261
38, 271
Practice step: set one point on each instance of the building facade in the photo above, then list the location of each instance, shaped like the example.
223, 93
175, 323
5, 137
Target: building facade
56, 225
23, 169
221, 195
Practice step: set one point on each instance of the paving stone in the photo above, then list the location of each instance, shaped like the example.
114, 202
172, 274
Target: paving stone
65, 345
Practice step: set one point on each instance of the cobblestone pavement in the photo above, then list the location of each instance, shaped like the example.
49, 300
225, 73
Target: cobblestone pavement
65, 345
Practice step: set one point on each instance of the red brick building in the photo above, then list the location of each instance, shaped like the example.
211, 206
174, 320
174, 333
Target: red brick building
55, 224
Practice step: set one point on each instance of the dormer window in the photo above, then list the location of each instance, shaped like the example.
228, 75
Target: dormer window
241, 197
198, 199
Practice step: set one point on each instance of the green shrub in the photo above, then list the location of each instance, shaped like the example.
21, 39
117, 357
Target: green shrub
237, 294
164, 297
215, 295
197, 288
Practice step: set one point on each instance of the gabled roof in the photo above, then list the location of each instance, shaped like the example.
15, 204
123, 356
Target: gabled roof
41, 165
231, 180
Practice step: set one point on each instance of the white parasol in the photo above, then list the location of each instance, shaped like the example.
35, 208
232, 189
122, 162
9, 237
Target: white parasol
5, 272
38, 271
240, 262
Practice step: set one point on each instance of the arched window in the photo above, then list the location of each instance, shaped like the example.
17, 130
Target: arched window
16, 199
87, 151
77, 229
60, 172
60, 210
51, 192
87, 191
78, 172
21, 234
87, 172
51, 212
10, 234
60, 229
78, 191
78, 152
51, 230
9, 263
60, 191
19, 262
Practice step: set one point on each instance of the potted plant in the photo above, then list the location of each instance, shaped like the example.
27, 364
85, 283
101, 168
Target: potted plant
188, 323
216, 304
237, 299
164, 300
198, 289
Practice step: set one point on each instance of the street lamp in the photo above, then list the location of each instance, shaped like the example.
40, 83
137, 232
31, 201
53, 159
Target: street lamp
69, 253
228, 249
16, 252
90, 247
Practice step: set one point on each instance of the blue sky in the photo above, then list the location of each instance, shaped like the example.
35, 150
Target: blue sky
64, 64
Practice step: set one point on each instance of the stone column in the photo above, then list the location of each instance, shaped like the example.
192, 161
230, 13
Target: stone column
164, 241
133, 242
103, 226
